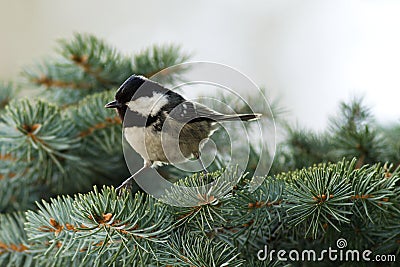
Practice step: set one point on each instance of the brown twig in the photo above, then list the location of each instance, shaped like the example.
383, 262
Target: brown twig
101, 125
48, 83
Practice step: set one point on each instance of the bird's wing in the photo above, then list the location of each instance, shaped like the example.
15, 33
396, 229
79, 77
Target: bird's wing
188, 111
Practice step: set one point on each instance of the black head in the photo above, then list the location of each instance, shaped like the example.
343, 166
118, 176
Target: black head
125, 93
129, 90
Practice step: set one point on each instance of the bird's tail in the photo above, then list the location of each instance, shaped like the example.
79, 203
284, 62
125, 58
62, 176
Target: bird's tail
242, 117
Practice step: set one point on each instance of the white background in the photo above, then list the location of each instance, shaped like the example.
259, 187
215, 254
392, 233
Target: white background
310, 53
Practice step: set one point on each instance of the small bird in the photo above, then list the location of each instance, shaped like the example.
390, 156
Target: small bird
162, 126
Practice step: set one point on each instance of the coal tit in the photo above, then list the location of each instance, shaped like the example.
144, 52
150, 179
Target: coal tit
161, 125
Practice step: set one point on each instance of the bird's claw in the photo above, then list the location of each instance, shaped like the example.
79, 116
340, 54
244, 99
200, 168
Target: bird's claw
125, 186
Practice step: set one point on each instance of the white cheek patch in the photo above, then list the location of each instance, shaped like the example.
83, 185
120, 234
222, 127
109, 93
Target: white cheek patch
148, 105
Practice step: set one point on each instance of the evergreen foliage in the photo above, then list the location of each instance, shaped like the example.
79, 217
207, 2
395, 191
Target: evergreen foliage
340, 183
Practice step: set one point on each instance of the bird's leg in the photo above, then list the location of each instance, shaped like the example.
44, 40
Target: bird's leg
127, 184
197, 156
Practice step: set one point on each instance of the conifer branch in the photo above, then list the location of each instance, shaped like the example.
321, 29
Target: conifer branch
7, 93
96, 225
13, 241
157, 59
68, 146
98, 60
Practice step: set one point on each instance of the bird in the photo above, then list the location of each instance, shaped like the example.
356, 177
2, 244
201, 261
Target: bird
162, 126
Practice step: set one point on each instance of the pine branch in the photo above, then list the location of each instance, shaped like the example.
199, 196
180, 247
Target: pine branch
332, 195
91, 119
7, 92
355, 135
47, 148
98, 225
318, 198
390, 134
88, 65
203, 206
40, 127
307, 148
99, 131
159, 58
61, 82
18, 189
255, 214
186, 249
13, 241
100, 62
351, 133
56, 145
37, 134
374, 193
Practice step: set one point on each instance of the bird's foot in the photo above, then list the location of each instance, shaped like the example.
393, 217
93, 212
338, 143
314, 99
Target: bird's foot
125, 186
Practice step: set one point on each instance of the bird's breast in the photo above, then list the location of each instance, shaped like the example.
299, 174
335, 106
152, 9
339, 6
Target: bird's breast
155, 146
175, 143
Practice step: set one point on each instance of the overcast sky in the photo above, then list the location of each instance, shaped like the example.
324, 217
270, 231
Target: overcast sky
311, 53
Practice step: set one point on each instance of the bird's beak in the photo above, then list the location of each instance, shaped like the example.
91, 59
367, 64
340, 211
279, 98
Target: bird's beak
113, 104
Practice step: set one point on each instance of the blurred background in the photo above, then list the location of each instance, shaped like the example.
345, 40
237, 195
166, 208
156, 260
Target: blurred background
310, 54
